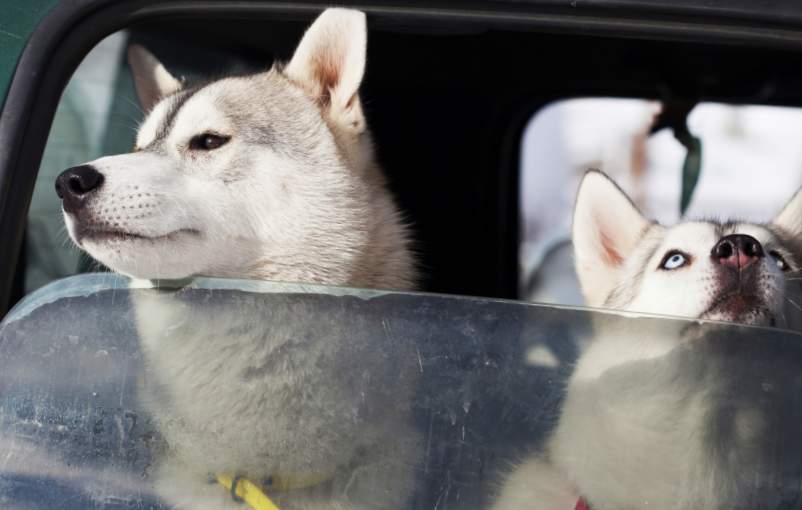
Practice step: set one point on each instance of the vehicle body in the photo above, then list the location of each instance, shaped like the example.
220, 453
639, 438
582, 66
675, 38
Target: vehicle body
449, 89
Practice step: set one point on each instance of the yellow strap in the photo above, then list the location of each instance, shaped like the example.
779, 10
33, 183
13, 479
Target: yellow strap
256, 498
249, 492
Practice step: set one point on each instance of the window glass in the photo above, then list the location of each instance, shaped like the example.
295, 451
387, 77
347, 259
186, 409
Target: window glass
453, 392
751, 165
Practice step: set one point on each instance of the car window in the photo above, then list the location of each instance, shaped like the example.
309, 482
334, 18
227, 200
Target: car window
89, 401
96, 115
751, 165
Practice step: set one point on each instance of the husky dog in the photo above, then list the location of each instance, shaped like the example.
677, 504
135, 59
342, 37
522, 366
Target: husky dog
270, 176
670, 414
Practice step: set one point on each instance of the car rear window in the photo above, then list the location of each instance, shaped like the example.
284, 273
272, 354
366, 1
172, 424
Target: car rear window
751, 165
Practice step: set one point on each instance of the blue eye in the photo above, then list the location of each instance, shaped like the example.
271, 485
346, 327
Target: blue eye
779, 260
674, 260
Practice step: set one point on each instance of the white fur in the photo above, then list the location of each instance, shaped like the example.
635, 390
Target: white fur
312, 207
606, 228
294, 195
243, 387
148, 129
618, 253
631, 433
330, 66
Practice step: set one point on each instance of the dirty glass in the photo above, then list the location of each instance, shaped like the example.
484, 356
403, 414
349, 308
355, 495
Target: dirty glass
115, 394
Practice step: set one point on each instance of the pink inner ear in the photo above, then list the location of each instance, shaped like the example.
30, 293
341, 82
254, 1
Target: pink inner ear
327, 67
609, 253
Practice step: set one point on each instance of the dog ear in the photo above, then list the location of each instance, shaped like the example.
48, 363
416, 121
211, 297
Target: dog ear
790, 218
151, 80
329, 64
606, 228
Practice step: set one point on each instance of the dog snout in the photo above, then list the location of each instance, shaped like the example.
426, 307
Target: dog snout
737, 251
75, 184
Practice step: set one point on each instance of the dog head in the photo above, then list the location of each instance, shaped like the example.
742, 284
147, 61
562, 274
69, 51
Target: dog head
265, 176
729, 271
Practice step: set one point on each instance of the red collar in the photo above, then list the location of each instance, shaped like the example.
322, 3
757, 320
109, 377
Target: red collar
581, 504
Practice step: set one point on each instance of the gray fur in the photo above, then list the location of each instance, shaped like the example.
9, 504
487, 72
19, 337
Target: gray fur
295, 195
669, 414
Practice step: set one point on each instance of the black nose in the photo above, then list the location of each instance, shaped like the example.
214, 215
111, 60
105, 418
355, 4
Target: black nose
737, 251
74, 184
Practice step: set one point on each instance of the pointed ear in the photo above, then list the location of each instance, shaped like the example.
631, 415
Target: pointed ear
606, 228
790, 218
329, 64
151, 79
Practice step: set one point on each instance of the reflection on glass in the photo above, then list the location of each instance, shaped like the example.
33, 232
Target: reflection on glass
120, 397
672, 414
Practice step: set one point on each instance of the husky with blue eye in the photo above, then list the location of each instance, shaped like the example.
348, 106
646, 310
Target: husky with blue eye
271, 177
670, 417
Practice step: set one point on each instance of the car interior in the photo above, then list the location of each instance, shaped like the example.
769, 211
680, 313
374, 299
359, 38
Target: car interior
448, 102
461, 103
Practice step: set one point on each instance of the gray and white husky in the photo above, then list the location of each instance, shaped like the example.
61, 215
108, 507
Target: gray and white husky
670, 414
270, 176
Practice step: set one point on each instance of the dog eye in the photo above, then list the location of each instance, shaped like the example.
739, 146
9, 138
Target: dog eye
674, 260
781, 263
207, 142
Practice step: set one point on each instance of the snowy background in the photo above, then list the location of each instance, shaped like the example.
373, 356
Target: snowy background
751, 165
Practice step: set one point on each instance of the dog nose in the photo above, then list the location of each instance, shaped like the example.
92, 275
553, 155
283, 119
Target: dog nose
737, 251
74, 184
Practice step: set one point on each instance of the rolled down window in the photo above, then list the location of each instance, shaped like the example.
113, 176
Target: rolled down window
450, 394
